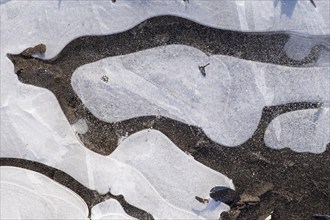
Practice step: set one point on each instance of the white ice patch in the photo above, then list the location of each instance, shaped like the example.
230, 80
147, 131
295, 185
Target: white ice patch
109, 209
170, 172
166, 81
33, 126
26, 194
310, 130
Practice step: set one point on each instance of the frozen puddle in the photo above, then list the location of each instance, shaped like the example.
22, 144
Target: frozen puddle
166, 81
147, 168
26, 194
109, 209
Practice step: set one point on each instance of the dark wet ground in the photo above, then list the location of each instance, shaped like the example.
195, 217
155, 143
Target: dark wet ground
294, 185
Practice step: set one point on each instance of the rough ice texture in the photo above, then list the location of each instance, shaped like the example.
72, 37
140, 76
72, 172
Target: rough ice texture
109, 209
310, 130
26, 194
166, 81
33, 126
161, 180
55, 23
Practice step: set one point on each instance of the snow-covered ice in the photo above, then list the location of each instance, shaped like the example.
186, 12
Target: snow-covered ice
26, 194
109, 209
227, 103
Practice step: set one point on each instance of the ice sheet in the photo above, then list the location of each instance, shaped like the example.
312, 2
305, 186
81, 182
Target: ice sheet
113, 173
26, 194
56, 23
227, 103
33, 126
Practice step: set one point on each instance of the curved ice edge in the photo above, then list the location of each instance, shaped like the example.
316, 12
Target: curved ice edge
262, 81
37, 180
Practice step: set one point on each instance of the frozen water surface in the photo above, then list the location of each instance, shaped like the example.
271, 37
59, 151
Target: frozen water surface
166, 81
33, 126
55, 23
109, 209
26, 194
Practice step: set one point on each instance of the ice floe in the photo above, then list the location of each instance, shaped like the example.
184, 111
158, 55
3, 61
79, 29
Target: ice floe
26, 194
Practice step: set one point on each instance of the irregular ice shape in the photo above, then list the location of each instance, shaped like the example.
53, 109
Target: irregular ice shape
109, 209
25, 136
170, 171
310, 130
227, 103
26, 194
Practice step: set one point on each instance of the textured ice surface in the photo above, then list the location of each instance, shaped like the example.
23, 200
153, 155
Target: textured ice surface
58, 147
55, 23
109, 209
34, 127
310, 130
166, 81
26, 194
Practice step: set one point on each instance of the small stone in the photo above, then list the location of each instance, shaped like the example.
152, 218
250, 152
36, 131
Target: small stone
225, 195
